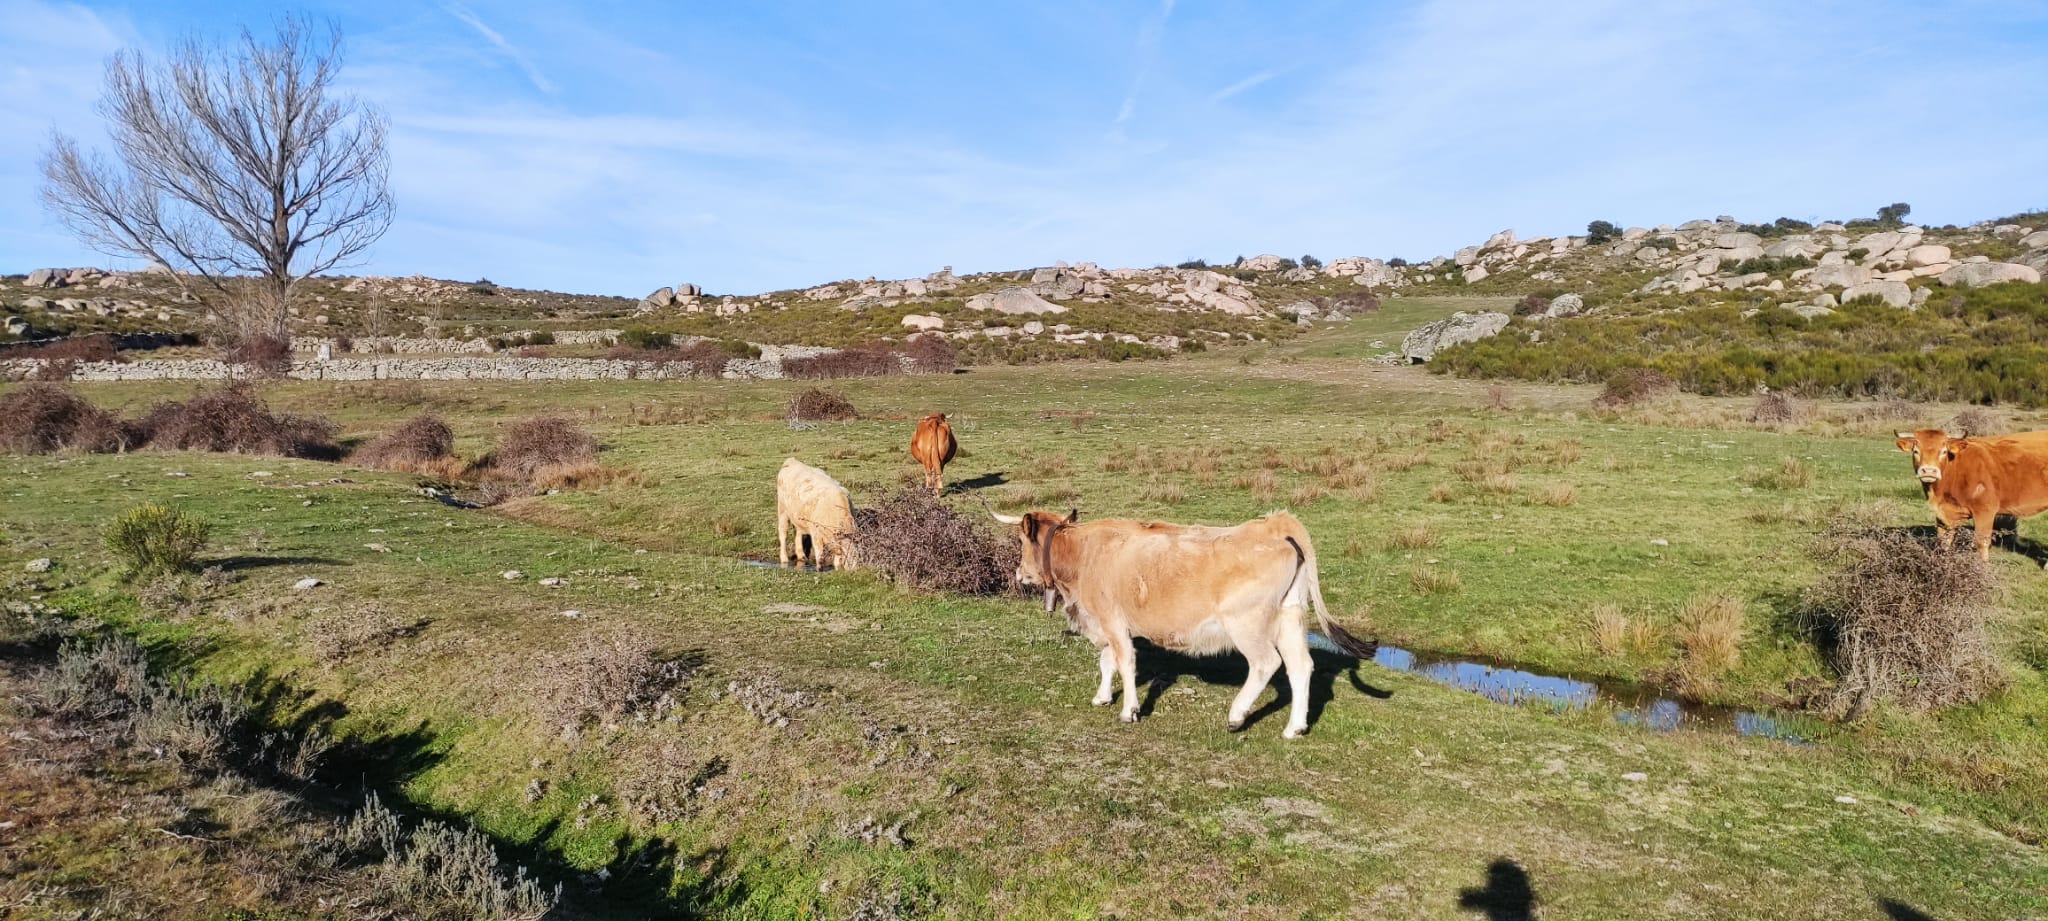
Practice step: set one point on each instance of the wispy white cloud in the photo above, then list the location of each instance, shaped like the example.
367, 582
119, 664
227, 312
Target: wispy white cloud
505, 47
1150, 33
1242, 85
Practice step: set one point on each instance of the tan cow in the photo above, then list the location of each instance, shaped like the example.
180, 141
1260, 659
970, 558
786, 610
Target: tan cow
932, 446
1193, 589
813, 504
1979, 479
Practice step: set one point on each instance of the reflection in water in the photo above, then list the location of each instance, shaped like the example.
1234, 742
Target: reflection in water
1634, 705
804, 567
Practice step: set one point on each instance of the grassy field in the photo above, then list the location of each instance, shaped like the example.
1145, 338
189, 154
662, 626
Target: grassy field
842, 747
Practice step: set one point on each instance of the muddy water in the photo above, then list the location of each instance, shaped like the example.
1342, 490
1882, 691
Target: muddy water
1631, 704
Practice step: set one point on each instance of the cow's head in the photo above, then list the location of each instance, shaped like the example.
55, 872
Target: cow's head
1035, 531
1932, 449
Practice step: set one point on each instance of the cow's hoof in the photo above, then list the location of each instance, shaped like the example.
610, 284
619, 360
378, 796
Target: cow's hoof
1235, 725
1294, 732
1102, 701
1129, 716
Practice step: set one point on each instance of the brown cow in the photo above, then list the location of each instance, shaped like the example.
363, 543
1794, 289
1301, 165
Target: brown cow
1978, 479
932, 445
1194, 589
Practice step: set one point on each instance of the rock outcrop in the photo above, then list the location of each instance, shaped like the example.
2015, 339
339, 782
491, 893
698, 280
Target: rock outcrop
1422, 344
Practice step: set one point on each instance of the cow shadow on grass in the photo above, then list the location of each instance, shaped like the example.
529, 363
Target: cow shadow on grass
2005, 535
255, 561
1159, 669
983, 481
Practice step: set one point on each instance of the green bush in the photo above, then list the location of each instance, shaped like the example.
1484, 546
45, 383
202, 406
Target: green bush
154, 539
1599, 232
640, 338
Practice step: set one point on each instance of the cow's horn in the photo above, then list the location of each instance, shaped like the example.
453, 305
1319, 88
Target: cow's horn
1905, 434
1006, 519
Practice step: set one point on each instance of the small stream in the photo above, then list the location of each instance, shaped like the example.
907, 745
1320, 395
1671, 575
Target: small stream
1632, 704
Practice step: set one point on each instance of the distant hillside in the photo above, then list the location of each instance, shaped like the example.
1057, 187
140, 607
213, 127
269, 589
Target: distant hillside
1749, 294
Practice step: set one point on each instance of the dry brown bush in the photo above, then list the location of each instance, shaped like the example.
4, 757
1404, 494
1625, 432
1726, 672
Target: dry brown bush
536, 442
417, 444
1903, 620
1775, 408
61, 358
858, 361
1976, 422
918, 540
43, 418
1636, 385
931, 353
234, 420
271, 355
705, 357
820, 405
345, 634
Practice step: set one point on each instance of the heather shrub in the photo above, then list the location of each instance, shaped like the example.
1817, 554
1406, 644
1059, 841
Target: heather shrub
919, 541
438, 871
608, 678
931, 354
1774, 408
271, 355
820, 405
234, 420
154, 539
415, 445
1632, 386
535, 442
1902, 620
858, 361
41, 418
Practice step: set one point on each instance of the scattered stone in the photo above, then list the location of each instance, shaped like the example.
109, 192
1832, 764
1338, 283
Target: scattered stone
1979, 274
178, 475
1013, 299
306, 583
511, 575
1846, 800
42, 564
1635, 776
554, 581
572, 614
1659, 542
260, 474
379, 548
1893, 293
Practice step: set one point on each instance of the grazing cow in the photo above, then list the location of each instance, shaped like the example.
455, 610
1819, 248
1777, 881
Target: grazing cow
933, 446
1978, 479
813, 504
1193, 589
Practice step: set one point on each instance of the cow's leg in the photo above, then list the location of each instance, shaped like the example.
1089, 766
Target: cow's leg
1127, 662
782, 538
1105, 692
1259, 653
1294, 649
1987, 528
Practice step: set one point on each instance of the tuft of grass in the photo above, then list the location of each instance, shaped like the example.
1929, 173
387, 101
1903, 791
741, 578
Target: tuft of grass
1556, 495
1418, 536
1791, 473
1645, 638
1164, 491
156, 539
1711, 630
1443, 492
1429, 579
1610, 629
1308, 494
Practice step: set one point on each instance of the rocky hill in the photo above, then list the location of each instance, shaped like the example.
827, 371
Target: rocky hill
1083, 310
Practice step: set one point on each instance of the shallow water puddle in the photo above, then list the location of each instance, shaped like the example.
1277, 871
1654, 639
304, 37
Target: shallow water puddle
1632, 705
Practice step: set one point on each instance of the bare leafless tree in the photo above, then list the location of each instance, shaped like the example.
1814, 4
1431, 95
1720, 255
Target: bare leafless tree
232, 163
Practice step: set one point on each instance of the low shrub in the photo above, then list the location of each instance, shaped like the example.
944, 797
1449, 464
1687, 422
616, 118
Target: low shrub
92, 680
1531, 305
639, 338
346, 634
234, 420
706, 358
1632, 386
1902, 621
1775, 408
931, 354
415, 445
1975, 422
438, 871
820, 405
536, 442
155, 539
919, 541
61, 358
1351, 302
41, 418
201, 726
271, 355
608, 678
858, 361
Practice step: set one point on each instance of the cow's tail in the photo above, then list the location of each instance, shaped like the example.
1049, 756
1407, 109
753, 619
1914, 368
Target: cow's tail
1312, 582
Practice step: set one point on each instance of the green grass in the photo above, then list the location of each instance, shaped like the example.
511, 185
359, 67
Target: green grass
967, 720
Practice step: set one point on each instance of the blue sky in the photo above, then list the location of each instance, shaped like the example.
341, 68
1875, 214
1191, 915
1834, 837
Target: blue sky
614, 147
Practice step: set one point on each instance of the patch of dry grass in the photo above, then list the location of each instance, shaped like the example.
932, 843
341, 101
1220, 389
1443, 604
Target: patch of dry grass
1610, 629
1711, 631
1429, 579
1418, 536
1555, 495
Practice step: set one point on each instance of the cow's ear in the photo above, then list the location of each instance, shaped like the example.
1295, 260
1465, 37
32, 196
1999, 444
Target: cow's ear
1905, 443
1957, 446
1073, 515
1031, 526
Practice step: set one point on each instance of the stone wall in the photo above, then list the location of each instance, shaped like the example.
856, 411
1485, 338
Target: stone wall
409, 345
386, 368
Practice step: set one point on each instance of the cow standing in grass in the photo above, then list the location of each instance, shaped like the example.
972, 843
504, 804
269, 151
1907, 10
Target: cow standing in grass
932, 446
1979, 479
811, 503
1188, 588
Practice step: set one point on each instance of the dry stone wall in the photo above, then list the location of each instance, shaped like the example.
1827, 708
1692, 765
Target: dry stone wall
384, 368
